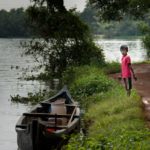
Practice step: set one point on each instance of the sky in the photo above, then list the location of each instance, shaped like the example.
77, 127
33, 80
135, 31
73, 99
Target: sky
9, 4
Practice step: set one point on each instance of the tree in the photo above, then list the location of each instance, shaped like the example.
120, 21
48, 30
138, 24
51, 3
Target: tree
64, 39
89, 17
126, 27
117, 9
145, 28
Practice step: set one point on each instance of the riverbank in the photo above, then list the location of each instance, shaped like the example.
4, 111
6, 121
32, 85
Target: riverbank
112, 120
142, 71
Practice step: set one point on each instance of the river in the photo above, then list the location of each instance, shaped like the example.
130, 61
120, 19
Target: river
112, 49
11, 65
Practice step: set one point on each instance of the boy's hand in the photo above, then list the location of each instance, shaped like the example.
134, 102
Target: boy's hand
135, 78
119, 78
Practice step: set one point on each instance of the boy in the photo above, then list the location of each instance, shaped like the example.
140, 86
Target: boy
126, 69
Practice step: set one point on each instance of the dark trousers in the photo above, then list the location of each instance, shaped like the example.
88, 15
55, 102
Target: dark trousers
128, 83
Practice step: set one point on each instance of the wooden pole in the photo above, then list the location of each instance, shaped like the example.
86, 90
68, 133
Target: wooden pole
72, 115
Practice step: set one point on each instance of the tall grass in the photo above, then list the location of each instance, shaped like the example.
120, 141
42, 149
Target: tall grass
112, 120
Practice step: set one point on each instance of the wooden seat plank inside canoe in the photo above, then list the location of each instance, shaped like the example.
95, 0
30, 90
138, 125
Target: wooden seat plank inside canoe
48, 115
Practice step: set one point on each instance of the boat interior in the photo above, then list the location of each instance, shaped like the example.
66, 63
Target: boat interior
61, 114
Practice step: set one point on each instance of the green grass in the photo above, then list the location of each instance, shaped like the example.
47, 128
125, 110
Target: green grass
112, 120
118, 120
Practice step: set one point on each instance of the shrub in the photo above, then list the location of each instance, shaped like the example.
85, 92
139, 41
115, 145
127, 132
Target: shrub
86, 81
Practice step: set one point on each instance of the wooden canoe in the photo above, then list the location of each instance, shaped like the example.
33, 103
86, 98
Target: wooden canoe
46, 124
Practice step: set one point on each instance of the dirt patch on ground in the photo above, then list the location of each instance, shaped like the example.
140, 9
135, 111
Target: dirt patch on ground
142, 85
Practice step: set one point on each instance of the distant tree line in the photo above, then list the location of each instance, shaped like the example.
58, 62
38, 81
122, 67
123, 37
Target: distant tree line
127, 26
13, 23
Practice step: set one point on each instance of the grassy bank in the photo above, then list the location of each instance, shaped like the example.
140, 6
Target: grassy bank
112, 120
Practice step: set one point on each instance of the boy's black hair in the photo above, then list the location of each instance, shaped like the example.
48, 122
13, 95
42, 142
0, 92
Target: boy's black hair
124, 47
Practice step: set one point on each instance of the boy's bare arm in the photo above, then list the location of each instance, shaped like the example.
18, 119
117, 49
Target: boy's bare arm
130, 66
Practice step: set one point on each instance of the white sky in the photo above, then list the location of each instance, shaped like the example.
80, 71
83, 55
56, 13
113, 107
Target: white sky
9, 4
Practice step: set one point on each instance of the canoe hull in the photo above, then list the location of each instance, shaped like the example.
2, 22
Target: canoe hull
34, 133
35, 138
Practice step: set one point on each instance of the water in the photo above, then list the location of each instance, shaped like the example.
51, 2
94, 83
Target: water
112, 49
10, 57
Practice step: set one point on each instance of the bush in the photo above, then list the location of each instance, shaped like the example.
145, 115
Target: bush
146, 41
86, 81
144, 27
32, 98
89, 85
